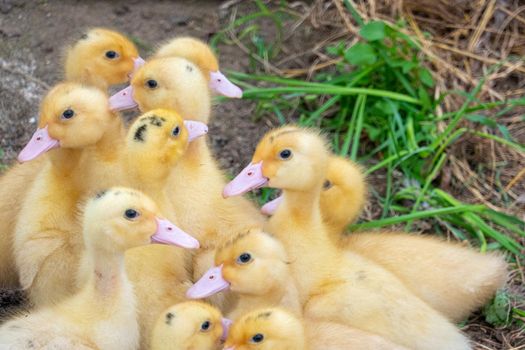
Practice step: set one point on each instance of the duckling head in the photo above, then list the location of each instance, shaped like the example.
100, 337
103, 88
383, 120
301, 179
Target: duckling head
158, 139
121, 218
344, 192
266, 329
172, 83
253, 263
190, 325
102, 57
202, 55
289, 158
71, 116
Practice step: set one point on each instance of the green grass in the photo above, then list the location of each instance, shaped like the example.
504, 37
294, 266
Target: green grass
378, 106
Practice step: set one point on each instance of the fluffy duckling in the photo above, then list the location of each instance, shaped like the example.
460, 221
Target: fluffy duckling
102, 314
267, 329
343, 196
277, 328
334, 285
201, 54
452, 279
254, 266
101, 58
154, 143
190, 326
84, 139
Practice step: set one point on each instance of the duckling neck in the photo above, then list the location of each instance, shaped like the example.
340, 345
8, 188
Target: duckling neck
65, 160
109, 146
107, 273
302, 207
197, 153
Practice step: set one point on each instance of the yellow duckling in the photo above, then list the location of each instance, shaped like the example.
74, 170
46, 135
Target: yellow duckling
102, 314
84, 139
276, 328
85, 63
254, 266
335, 285
154, 144
199, 53
101, 58
452, 279
267, 329
190, 326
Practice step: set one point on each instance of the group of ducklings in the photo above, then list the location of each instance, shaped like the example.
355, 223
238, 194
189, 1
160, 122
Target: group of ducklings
78, 214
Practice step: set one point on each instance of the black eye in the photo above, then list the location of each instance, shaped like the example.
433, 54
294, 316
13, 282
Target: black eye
285, 154
244, 258
111, 54
205, 326
176, 131
131, 214
258, 338
152, 84
327, 184
68, 114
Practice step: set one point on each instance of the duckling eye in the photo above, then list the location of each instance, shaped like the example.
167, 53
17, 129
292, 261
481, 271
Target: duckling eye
152, 84
205, 326
327, 184
257, 338
176, 131
131, 214
244, 258
285, 154
68, 114
111, 54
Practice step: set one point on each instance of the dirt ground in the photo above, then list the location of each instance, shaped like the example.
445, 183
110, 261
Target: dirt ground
32, 37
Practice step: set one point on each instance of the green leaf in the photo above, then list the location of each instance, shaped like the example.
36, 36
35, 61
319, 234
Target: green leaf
477, 118
505, 132
361, 54
497, 313
372, 31
426, 77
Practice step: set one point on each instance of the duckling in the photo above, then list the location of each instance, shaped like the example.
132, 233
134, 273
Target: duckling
85, 62
101, 58
253, 266
452, 279
334, 285
102, 314
267, 329
82, 140
190, 325
200, 54
154, 143
277, 328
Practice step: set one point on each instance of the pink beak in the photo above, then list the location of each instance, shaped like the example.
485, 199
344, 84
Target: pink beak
40, 142
195, 129
226, 324
210, 283
270, 207
137, 63
221, 85
122, 100
168, 233
248, 179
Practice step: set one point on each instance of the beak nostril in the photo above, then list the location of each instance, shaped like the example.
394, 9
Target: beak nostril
38, 138
250, 173
212, 277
